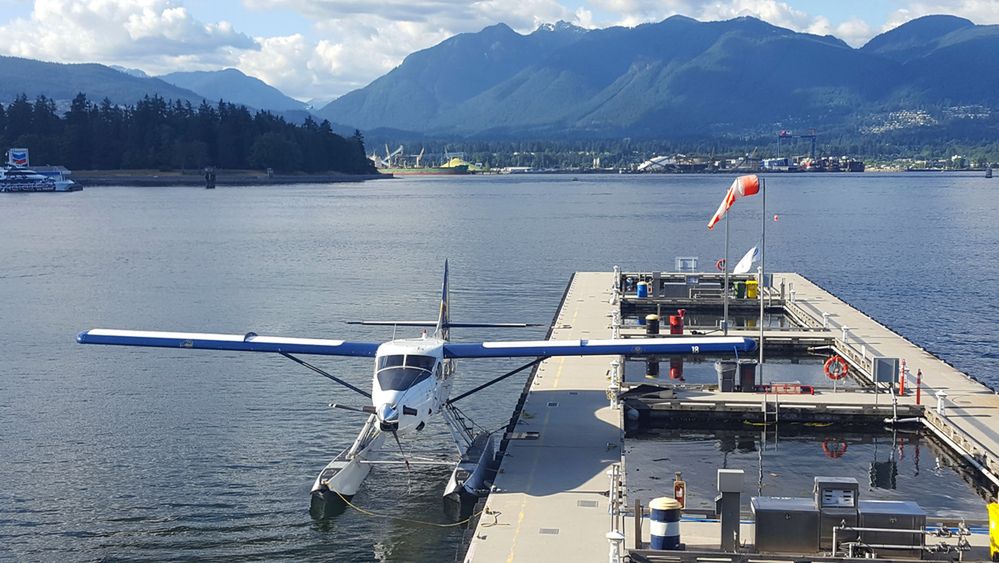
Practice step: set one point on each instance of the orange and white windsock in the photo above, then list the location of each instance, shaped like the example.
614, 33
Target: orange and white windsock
741, 187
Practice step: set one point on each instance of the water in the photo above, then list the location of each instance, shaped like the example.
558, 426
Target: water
904, 467
158, 454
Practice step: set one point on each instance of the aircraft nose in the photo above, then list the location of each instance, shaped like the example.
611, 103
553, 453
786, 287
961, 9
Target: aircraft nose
387, 413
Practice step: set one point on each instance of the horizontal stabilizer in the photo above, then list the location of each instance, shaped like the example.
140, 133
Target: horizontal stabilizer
434, 323
626, 347
249, 342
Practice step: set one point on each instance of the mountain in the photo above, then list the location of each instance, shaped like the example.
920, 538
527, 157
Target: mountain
132, 71
429, 83
675, 78
946, 58
233, 86
61, 82
915, 38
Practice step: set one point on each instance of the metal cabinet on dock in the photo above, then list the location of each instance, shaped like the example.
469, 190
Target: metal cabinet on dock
786, 525
893, 515
836, 499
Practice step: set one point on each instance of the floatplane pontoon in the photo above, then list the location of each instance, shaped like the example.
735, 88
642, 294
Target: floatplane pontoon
411, 383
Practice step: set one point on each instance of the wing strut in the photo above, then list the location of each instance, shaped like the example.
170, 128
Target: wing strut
325, 374
498, 379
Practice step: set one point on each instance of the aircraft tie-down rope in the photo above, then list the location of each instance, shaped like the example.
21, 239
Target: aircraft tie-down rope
411, 521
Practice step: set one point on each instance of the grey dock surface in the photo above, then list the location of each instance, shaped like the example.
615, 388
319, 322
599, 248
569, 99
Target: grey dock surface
971, 410
550, 498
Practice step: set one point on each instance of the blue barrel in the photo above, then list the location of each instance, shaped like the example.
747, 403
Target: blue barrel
664, 523
643, 289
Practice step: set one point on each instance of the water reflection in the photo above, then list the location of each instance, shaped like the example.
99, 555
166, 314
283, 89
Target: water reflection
888, 465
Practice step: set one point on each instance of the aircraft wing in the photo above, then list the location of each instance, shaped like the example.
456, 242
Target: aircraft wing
623, 346
249, 342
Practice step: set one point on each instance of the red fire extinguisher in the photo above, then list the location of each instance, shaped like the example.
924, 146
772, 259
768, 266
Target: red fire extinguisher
680, 490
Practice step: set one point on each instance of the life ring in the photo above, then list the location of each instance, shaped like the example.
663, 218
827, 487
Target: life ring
720, 264
835, 368
833, 449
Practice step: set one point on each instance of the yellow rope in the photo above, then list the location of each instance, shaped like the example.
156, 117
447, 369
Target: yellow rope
409, 520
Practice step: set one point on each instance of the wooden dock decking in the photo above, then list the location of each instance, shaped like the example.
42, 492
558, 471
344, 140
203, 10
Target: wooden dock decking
550, 499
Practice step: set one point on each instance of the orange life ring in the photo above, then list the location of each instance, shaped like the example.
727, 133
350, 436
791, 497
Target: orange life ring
720, 264
834, 451
835, 368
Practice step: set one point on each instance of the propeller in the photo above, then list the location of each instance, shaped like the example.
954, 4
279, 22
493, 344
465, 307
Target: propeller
395, 435
367, 409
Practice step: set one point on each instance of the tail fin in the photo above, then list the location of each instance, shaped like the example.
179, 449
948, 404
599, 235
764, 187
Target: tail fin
444, 319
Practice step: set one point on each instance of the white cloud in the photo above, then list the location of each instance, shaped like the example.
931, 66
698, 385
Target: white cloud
349, 43
982, 12
153, 34
357, 42
633, 12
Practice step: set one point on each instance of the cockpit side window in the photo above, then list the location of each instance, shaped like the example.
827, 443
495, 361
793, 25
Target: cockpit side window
422, 362
390, 361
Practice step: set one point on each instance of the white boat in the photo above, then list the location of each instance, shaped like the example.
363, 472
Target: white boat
16, 176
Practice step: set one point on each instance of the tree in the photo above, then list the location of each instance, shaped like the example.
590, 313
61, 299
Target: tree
271, 150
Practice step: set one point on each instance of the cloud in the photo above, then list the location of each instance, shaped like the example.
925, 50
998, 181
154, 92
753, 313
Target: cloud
634, 12
982, 12
159, 34
351, 42
355, 42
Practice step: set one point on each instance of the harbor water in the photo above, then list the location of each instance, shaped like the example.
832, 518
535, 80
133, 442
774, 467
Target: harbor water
122, 453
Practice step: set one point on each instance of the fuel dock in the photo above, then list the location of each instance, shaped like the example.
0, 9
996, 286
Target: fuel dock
707, 458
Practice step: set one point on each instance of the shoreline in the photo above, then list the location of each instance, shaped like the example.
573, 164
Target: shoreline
150, 178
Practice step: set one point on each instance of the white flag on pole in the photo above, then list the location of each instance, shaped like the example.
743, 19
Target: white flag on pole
747, 261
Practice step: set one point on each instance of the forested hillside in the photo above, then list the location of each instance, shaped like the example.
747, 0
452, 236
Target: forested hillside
155, 133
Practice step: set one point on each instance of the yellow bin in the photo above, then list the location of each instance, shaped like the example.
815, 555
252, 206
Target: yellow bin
994, 531
752, 289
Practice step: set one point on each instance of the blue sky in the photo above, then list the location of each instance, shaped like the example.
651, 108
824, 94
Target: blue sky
321, 49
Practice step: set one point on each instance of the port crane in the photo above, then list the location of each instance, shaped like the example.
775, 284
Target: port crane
411, 383
785, 134
387, 161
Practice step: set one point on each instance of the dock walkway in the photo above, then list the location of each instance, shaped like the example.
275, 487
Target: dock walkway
550, 498
971, 414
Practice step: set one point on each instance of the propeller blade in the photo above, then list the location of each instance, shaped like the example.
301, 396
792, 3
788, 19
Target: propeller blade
367, 409
398, 443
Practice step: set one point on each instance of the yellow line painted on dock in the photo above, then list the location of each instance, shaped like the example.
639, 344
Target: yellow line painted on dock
530, 477
558, 375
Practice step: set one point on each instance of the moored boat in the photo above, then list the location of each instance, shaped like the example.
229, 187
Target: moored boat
16, 176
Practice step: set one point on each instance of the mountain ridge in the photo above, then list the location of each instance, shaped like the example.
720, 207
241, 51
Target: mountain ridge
234, 86
677, 77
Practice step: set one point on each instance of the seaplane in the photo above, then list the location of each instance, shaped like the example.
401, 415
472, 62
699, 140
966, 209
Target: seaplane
411, 384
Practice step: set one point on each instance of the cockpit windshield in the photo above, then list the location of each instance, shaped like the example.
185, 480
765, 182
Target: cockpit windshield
399, 372
400, 379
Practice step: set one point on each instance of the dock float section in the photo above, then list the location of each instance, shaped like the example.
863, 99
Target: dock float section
549, 500
553, 497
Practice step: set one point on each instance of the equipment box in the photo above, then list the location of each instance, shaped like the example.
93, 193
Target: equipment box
786, 525
894, 515
836, 499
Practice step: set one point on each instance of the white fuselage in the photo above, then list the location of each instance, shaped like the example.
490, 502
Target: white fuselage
411, 382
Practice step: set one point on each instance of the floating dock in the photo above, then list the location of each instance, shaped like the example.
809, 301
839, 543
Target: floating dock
561, 491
